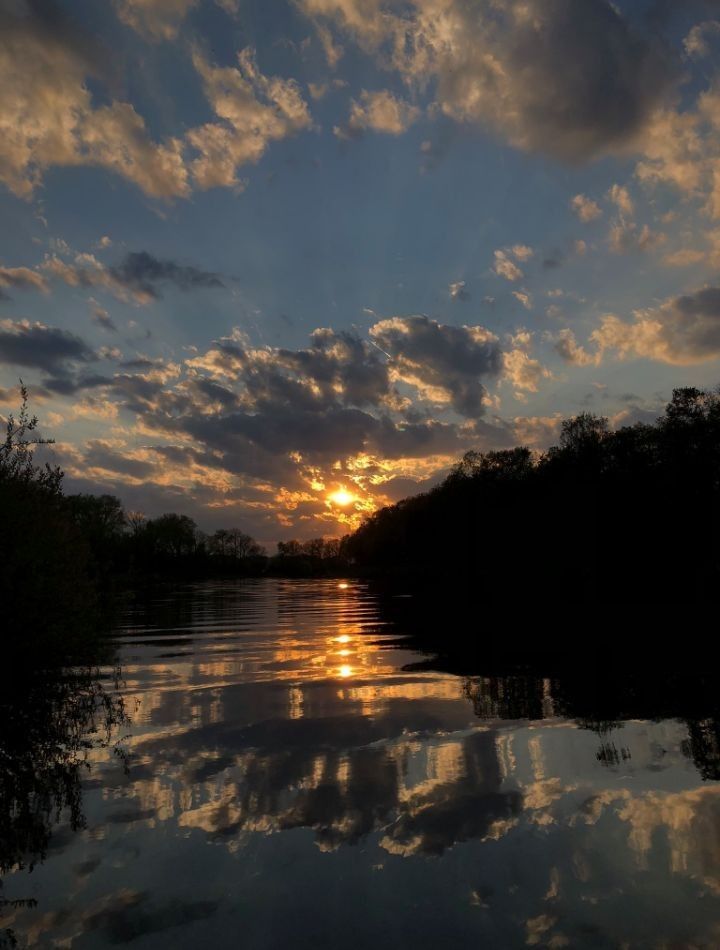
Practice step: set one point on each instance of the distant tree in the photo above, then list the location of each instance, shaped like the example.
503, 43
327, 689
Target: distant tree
219, 543
242, 545
505, 463
633, 512
136, 521
173, 534
98, 516
314, 548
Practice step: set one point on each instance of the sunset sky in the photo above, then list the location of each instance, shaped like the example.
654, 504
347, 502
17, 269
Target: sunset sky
274, 264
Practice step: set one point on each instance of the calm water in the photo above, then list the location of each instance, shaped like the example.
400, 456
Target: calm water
288, 783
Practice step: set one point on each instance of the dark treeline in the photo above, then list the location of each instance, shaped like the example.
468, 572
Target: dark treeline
63, 558
605, 516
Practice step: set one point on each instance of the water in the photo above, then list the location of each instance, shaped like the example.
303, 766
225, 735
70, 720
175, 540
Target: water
284, 781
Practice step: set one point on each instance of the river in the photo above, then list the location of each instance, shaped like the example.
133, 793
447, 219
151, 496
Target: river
290, 772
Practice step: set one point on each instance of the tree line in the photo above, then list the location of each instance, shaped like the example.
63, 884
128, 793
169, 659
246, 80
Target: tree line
63, 557
631, 514
605, 515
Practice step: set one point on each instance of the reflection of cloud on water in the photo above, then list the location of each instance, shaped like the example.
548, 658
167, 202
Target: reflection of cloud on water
246, 751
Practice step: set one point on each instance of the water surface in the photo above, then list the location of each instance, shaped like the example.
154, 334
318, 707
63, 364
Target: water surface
286, 780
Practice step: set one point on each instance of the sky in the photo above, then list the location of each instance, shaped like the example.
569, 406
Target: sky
277, 263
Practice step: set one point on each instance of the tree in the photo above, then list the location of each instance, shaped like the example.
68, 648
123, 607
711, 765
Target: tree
100, 517
173, 534
17, 453
47, 594
242, 545
136, 521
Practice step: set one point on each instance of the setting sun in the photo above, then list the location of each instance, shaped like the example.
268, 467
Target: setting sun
341, 497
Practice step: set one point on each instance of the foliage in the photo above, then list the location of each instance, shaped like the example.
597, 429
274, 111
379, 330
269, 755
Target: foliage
49, 725
45, 588
316, 557
632, 514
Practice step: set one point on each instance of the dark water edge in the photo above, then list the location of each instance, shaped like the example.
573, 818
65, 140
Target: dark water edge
314, 763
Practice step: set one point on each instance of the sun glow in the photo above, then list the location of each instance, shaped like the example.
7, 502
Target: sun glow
341, 497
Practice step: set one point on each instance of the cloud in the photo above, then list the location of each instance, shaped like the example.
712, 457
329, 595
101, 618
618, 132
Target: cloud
522, 252
505, 267
523, 372
47, 117
87, 271
627, 236
318, 90
158, 20
458, 291
567, 347
36, 345
138, 277
142, 273
333, 51
683, 330
585, 208
685, 257
573, 80
378, 112
448, 363
261, 432
266, 429
20, 278
697, 42
620, 197
337, 370
254, 110
101, 317
154, 19
523, 297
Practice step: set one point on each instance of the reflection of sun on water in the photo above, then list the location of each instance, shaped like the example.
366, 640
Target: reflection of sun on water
345, 671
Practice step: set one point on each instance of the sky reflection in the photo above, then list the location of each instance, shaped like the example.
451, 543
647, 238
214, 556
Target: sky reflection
265, 774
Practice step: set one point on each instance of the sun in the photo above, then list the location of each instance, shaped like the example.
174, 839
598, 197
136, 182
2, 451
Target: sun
341, 497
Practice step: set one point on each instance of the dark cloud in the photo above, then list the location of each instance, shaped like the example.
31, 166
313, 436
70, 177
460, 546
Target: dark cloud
99, 455
329, 434
102, 318
553, 261
41, 347
46, 20
448, 358
67, 385
584, 79
337, 370
683, 330
140, 271
572, 78
130, 915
